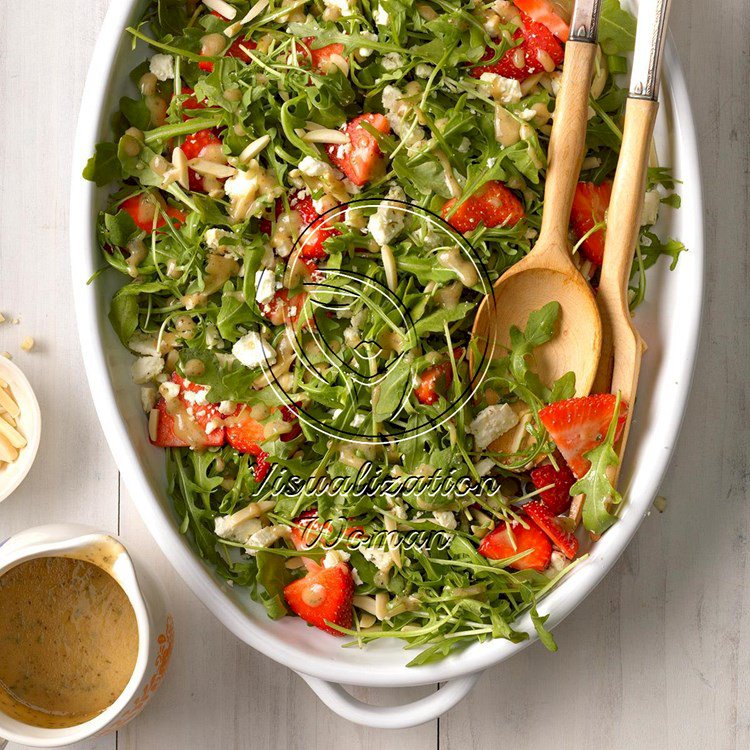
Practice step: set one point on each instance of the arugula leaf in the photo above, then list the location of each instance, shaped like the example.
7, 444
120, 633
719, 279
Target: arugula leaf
273, 577
123, 315
596, 484
616, 28
544, 635
104, 166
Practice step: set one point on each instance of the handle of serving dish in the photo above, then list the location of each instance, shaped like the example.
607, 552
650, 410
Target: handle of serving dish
392, 717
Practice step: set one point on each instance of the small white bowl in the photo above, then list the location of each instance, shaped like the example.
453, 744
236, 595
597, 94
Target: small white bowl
29, 425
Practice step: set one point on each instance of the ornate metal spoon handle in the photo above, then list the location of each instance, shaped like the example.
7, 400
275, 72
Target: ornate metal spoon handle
584, 27
649, 48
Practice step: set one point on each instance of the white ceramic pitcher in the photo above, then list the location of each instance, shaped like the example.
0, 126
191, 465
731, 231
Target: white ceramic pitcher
155, 625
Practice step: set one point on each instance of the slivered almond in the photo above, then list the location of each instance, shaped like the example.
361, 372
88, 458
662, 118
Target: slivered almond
222, 8
326, 135
381, 605
365, 603
8, 404
254, 12
153, 424
211, 168
253, 149
11, 434
7, 452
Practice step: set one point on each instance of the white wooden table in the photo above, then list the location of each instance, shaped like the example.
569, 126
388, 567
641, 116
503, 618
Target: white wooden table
657, 657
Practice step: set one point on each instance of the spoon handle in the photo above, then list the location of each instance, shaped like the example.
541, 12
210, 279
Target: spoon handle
619, 337
567, 143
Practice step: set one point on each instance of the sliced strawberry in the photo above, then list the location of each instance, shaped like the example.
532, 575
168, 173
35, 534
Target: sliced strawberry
193, 397
551, 526
195, 146
321, 57
433, 383
243, 432
542, 11
537, 41
579, 424
281, 307
289, 415
167, 435
498, 545
557, 497
318, 230
590, 205
492, 205
143, 209
323, 596
191, 102
360, 158
234, 50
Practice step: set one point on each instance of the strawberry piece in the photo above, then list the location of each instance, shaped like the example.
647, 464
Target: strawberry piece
281, 307
590, 204
551, 526
492, 205
498, 545
289, 414
195, 146
542, 11
323, 596
166, 437
557, 498
434, 382
321, 57
191, 102
193, 397
536, 41
579, 424
234, 50
360, 158
318, 230
243, 432
142, 209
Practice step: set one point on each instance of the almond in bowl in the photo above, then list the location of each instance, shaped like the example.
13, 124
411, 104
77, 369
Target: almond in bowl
20, 427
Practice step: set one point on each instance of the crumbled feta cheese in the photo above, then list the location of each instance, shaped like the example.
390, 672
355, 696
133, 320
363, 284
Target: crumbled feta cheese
162, 66
380, 558
146, 368
527, 114
250, 191
359, 420
464, 146
149, 397
169, 390
381, 16
445, 518
505, 90
227, 407
356, 577
237, 527
195, 397
423, 70
312, 167
367, 51
484, 466
214, 236
266, 537
388, 220
335, 557
392, 61
253, 351
344, 7
143, 343
211, 425
396, 111
265, 285
213, 338
492, 422
651, 202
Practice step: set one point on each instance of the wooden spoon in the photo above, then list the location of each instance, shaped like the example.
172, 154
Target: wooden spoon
547, 273
622, 345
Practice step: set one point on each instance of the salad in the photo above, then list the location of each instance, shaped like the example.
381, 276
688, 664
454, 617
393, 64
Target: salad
310, 198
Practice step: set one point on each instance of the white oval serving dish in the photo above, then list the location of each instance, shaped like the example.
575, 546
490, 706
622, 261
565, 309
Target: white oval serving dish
669, 321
